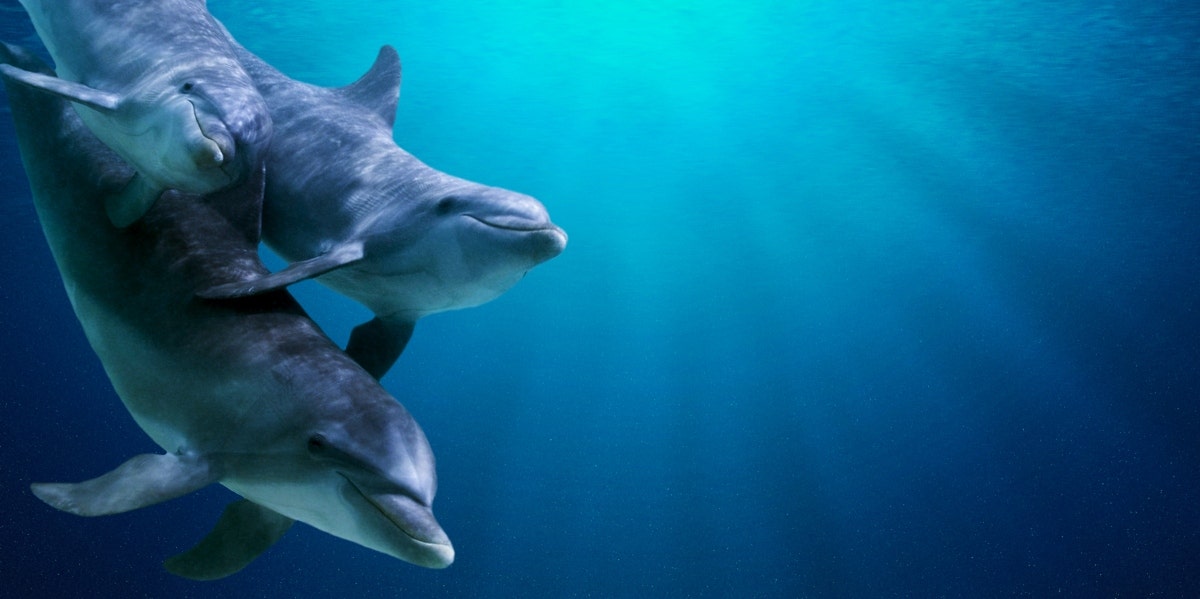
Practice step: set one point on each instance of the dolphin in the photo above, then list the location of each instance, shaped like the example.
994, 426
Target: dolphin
347, 204
157, 82
248, 393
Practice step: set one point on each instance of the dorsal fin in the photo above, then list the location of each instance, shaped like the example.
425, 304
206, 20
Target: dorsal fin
378, 90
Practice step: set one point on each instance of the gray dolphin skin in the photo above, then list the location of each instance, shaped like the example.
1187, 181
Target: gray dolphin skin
246, 392
155, 80
345, 203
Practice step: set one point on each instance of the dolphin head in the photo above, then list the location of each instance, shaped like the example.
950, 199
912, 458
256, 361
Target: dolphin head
234, 117
387, 484
455, 244
484, 239
356, 466
206, 131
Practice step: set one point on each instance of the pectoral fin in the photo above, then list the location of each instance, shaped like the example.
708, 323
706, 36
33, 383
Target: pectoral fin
131, 203
244, 531
144, 480
378, 343
294, 273
75, 92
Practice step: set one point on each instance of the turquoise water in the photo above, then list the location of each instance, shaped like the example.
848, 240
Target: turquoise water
861, 299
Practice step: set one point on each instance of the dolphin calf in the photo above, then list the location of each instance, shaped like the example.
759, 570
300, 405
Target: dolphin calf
157, 82
345, 203
247, 393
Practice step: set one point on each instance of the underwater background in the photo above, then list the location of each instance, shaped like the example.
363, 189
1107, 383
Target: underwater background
862, 299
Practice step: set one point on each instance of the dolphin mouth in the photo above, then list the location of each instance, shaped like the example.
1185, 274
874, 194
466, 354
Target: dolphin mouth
222, 144
538, 240
437, 550
513, 223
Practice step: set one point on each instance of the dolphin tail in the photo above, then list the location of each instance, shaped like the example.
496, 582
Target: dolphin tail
244, 532
144, 480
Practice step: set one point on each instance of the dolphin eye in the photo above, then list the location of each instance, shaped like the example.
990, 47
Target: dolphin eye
317, 444
186, 87
445, 205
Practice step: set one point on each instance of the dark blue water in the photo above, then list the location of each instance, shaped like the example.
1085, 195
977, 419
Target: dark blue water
862, 299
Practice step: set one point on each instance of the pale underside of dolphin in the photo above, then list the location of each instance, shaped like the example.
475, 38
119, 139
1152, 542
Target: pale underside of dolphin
155, 80
372, 221
247, 393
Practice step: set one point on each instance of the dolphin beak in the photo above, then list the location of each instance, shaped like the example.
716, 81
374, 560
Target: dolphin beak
517, 221
214, 146
433, 548
207, 154
421, 540
549, 242
512, 222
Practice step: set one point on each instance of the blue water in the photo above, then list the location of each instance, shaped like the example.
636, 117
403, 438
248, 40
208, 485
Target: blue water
862, 299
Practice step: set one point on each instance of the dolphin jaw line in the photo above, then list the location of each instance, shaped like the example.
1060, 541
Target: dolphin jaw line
516, 226
385, 514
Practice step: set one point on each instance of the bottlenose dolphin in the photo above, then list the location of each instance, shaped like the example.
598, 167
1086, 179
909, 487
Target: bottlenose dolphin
247, 393
157, 81
345, 203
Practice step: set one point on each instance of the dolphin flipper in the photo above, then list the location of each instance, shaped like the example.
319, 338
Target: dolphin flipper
75, 92
144, 480
295, 272
244, 531
378, 343
131, 203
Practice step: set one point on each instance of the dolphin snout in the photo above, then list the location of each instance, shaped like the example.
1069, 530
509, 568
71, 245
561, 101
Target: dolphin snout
216, 146
515, 224
503, 209
414, 519
207, 153
548, 243
439, 556
236, 122
421, 540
